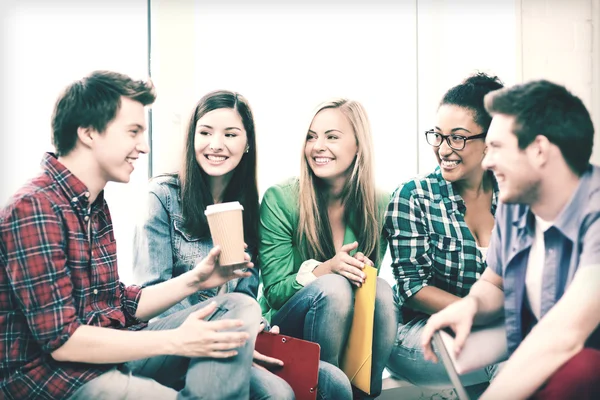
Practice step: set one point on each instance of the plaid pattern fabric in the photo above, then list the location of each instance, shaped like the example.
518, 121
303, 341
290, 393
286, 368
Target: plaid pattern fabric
430, 242
54, 278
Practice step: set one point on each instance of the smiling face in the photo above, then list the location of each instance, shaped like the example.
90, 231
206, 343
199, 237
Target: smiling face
457, 165
220, 141
119, 146
518, 178
331, 147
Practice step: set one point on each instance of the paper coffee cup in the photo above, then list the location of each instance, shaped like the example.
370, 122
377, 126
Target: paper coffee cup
227, 230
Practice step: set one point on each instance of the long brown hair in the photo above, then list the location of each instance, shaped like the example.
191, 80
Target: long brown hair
359, 196
195, 190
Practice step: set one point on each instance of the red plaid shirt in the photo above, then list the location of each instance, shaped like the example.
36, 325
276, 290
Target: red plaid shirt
56, 275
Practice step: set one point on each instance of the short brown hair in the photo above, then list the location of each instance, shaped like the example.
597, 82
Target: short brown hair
94, 101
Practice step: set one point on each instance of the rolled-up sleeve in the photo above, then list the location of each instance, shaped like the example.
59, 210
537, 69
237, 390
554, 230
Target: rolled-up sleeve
35, 259
130, 298
408, 238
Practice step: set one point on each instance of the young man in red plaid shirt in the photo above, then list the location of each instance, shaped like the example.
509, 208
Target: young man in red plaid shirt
68, 327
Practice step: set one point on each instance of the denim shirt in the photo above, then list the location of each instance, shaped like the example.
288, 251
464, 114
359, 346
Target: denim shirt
571, 243
163, 249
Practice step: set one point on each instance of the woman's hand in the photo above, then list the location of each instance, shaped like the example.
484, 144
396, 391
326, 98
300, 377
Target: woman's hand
344, 264
264, 362
363, 259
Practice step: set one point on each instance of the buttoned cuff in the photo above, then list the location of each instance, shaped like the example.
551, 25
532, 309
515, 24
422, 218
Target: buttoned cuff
305, 273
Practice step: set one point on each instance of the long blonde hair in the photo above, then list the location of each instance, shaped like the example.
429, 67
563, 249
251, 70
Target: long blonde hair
359, 196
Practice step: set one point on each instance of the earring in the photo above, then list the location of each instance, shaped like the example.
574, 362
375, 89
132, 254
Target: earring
247, 148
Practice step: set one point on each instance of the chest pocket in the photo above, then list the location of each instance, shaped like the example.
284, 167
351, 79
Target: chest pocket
447, 255
188, 248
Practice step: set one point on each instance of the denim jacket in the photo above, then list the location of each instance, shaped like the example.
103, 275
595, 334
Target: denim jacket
164, 250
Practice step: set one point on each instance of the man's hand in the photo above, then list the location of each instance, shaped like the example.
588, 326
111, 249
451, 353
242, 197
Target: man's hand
199, 338
209, 274
458, 316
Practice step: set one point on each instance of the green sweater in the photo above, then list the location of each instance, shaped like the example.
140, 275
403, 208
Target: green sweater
279, 252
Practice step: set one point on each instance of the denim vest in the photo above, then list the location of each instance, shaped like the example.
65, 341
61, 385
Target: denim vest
164, 249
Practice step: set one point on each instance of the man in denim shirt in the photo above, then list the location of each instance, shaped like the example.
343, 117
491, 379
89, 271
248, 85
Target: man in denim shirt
543, 269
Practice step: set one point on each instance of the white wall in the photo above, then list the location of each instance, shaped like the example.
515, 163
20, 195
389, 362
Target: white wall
456, 39
561, 42
286, 59
46, 46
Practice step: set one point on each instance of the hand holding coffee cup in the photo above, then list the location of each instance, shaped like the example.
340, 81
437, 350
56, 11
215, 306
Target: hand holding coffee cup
210, 274
227, 230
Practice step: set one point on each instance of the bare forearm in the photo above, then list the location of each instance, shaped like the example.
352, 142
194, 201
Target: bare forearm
158, 298
489, 299
431, 299
95, 345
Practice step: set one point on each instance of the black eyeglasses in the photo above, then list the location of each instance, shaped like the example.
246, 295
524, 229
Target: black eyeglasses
456, 142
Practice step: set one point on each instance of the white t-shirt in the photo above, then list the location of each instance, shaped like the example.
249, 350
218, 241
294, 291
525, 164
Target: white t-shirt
483, 251
535, 267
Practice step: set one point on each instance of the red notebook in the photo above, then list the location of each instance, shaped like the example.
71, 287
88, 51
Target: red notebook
300, 362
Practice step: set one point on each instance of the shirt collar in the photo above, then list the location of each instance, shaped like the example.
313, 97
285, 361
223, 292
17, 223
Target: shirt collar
72, 187
453, 200
567, 220
446, 190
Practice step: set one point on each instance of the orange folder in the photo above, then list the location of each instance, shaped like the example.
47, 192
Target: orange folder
357, 358
300, 359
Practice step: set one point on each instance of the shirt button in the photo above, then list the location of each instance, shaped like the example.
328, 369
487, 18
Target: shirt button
95, 291
87, 194
74, 199
86, 218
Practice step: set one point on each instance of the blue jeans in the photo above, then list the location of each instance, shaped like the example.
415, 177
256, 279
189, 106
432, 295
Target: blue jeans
205, 378
407, 361
322, 313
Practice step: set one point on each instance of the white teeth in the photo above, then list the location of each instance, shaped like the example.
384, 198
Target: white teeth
447, 163
322, 160
216, 158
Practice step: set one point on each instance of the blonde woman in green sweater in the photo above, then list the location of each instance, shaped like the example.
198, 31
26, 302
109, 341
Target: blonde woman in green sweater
318, 231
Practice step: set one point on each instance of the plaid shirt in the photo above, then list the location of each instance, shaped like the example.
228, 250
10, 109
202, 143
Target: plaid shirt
430, 243
58, 270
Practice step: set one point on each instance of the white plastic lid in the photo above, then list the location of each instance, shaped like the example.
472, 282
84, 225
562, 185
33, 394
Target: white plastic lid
216, 208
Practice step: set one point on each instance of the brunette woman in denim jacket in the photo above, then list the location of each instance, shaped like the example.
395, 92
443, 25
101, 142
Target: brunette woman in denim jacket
219, 165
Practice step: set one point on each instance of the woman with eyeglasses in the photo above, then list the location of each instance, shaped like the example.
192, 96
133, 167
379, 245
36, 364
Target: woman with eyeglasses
439, 227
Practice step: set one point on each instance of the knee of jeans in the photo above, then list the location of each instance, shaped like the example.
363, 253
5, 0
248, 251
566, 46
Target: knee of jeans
333, 382
409, 336
336, 291
251, 309
384, 301
283, 391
